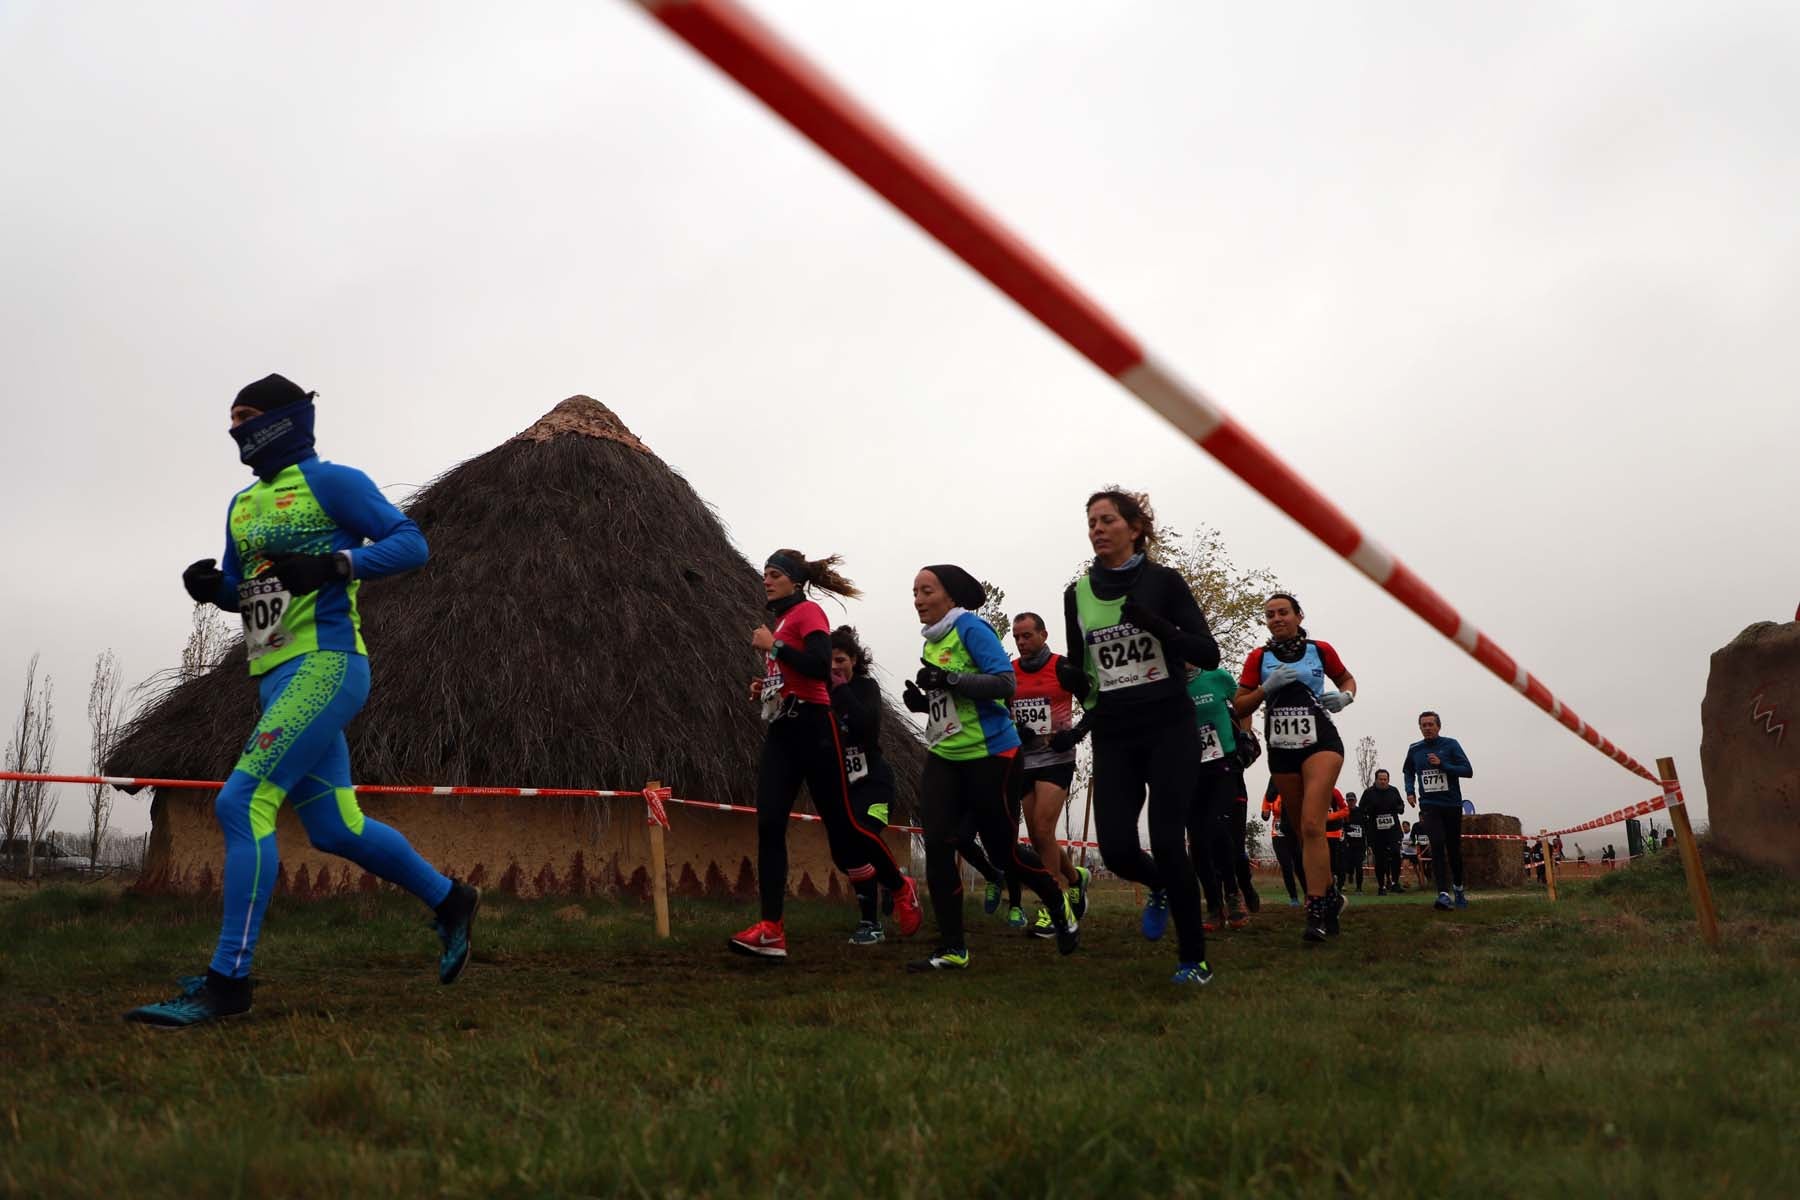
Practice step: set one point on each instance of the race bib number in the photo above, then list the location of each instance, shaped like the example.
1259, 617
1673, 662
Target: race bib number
1292, 728
856, 764
771, 691
1433, 781
1033, 712
1384, 821
941, 722
1126, 656
1210, 749
262, 602
1353, 831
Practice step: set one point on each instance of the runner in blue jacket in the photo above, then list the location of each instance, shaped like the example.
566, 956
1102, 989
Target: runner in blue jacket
1438, 766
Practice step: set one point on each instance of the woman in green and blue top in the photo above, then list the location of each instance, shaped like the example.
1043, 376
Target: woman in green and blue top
1216, 795
299, 543
1133, 628
963, 688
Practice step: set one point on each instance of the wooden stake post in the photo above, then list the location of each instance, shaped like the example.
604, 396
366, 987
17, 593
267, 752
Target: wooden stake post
1549, 862
659, 867
1699, 890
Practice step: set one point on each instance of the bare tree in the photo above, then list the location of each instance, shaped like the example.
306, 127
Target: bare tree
1366, 761
106, 712
31, 805
12, 798
1230, 596
207, 642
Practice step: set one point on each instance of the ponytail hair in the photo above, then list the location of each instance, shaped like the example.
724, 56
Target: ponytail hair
821, 573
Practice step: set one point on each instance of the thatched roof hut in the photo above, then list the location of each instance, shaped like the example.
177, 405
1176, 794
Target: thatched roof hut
584, 622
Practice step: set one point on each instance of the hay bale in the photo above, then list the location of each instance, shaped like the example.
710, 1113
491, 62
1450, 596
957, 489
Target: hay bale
1492, 864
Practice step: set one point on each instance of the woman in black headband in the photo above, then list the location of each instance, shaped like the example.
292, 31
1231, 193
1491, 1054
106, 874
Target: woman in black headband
803, 746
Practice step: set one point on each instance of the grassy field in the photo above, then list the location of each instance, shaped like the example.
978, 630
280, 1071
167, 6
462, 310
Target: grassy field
1519, 1048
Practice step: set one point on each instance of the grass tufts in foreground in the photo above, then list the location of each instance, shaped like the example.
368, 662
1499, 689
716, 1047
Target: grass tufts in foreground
1518, 1048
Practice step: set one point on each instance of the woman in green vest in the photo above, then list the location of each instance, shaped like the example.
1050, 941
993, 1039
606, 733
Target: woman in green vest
1133, 628
962, 688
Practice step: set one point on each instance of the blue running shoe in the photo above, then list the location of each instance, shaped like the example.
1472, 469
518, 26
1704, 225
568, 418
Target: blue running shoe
990, 899
1196, 973
203, 998
1015, 917
455, 920
1156, 914
1462, 899
1443, 903
1293, 903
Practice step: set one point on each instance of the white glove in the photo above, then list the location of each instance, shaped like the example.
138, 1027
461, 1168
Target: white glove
1279, 678
1337, 701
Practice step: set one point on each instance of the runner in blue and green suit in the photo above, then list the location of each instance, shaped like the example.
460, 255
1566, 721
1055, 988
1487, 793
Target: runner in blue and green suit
295, 558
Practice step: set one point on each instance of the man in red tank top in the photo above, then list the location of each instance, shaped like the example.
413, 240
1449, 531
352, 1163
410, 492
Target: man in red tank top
1044, 712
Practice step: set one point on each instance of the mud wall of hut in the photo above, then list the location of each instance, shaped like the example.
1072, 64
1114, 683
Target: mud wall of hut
524, 847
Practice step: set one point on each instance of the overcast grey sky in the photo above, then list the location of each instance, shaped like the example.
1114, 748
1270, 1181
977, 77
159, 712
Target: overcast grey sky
1516, 284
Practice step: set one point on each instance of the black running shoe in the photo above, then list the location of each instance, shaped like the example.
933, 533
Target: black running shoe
946, 958
1316, 927
203, 999
455, 921
1335, 904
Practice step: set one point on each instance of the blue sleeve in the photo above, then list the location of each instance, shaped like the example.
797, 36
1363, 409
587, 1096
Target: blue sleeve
1456, 762
230, 566
1406, 769
991, 659
352, 500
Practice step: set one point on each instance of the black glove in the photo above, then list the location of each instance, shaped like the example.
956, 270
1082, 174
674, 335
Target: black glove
1249, 749
203, 581
1027, 735
913, 698
304, 573
1161, 628
1065, 741
933, 678
1074, 680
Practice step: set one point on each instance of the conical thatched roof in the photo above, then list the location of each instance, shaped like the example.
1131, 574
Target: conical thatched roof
584, 622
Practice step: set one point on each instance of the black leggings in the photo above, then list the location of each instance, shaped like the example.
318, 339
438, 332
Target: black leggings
949, 790
1286, 860
1209, 837
972, 853
1443, 826
1163, 758
1230, 856
1387, 861
862, 796
1350, 865
803, 748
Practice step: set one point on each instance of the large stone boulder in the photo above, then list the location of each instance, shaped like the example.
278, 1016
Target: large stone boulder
1491, 864
1752, 770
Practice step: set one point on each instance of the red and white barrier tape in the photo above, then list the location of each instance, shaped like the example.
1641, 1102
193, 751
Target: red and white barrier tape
799, 92
654, 798
744, 808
